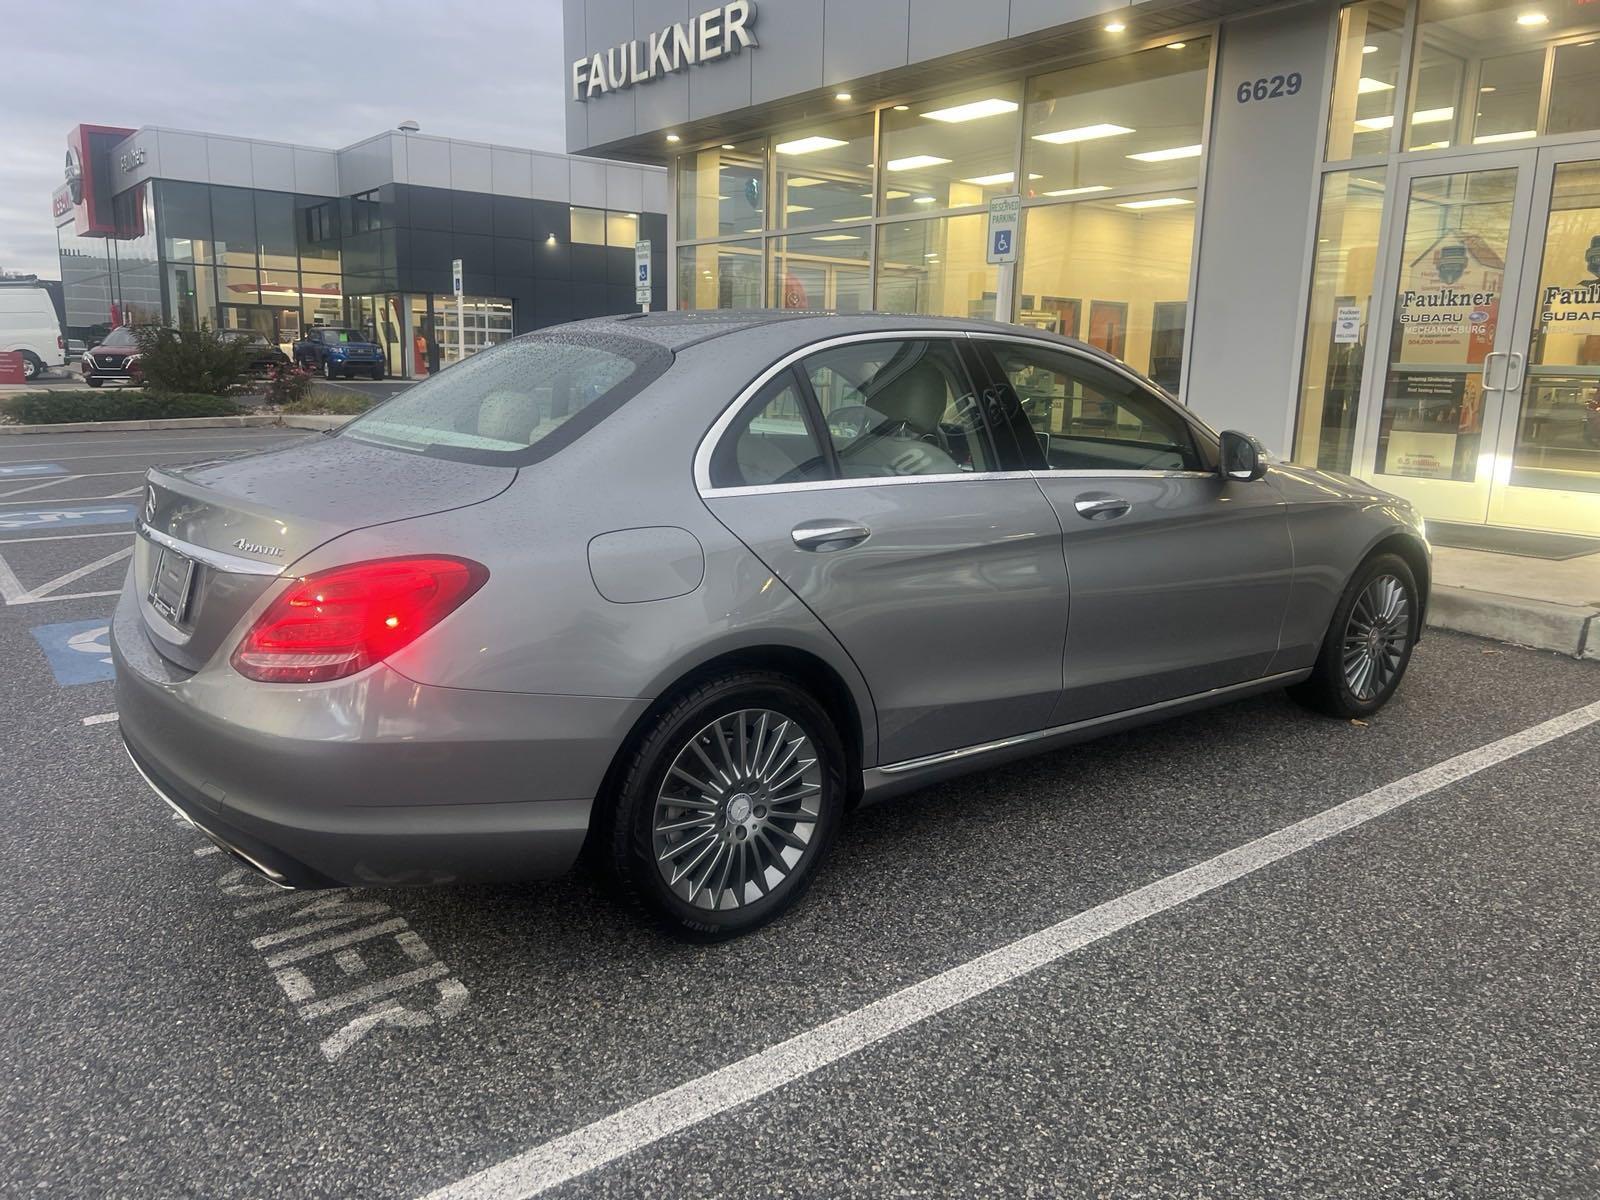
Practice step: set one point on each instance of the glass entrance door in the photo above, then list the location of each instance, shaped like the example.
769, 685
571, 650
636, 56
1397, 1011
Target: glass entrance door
1547, 473
1488, 405
1456, 250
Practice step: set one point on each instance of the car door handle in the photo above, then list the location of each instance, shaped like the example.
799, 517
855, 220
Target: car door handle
1099, 507
827, 536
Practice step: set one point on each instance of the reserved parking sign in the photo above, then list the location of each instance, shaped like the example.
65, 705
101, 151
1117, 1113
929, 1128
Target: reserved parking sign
1005, 214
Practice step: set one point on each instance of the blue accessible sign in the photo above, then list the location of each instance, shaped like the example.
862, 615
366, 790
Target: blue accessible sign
14, 470
60, 518
78, 651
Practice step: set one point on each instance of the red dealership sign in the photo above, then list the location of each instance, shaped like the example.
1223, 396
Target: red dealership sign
11, 368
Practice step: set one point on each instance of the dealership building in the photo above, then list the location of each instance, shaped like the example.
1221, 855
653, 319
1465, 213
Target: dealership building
1367, 233
168, 226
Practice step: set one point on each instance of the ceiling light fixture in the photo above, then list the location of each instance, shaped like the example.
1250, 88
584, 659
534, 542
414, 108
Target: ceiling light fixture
1162, 202
1166, 155
841, 95
1532, 19
914, 163
902, 108
837, 237
923, 200
976, 110
1079, 191
1114, 26
672, 137
1176, 45
1369, 49
794, 208
1366, 86
726, 146
1082, 133
808, 145
1518, 136
1485, 90
991, 180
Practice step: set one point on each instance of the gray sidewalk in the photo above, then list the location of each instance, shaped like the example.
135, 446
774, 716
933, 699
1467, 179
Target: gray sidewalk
1543, 603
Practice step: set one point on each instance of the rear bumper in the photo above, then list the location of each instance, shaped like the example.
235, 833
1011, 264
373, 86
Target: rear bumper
370, 781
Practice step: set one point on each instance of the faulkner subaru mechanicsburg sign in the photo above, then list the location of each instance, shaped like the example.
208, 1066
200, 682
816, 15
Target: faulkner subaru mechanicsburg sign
715, 33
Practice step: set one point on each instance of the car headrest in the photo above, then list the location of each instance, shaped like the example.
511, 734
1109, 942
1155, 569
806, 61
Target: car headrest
918, 397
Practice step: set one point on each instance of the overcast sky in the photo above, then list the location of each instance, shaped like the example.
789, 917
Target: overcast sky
324, 73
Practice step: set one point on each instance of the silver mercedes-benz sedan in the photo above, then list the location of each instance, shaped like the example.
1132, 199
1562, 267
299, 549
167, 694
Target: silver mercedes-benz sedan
685, 588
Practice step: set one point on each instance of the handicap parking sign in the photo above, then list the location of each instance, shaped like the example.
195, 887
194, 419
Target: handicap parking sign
1005, 213
78, 651
58, 518
1002, 242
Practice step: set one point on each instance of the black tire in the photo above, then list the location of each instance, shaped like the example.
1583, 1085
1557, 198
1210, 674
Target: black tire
1328, 690
626, 833
92, 381
32, 368
377, 373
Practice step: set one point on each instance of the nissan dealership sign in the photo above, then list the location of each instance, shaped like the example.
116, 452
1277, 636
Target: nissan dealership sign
715, 33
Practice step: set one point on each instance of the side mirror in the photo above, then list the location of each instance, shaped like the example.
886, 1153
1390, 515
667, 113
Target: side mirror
1243, 458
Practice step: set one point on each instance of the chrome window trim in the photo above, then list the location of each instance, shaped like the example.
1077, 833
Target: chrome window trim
708, 443
232, 564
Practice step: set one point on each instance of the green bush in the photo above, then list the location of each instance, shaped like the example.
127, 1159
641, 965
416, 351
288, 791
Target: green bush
191, 361
326, 400
56, 408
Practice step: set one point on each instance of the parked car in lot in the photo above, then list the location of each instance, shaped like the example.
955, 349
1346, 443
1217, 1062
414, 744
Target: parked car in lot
264, 356
114, 360
29, 327
689, 586
338, 352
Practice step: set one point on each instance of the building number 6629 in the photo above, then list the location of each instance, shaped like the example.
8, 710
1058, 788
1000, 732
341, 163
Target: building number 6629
1270, 89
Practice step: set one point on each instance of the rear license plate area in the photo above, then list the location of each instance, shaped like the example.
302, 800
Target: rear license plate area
170, 585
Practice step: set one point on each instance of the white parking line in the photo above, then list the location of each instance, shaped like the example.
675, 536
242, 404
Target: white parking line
34, 487
45, 589
610, 1138
100, 718
65, 537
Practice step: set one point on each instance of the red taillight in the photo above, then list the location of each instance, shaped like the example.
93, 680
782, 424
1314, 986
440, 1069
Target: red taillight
61, 342
343, 620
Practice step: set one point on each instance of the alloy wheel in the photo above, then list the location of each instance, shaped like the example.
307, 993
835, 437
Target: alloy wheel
738, 809
1375, 637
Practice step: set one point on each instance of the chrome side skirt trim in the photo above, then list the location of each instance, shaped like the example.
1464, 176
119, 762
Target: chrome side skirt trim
232, 564
1041, 735
226, 847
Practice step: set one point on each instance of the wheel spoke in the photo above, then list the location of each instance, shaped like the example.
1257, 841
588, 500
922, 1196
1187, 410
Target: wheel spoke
679, 826
677, 848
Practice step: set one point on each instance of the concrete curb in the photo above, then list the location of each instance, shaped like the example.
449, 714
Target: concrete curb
1540, 624
242, 422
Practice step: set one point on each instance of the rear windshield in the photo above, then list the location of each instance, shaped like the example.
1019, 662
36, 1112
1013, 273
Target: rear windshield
516, 403
121, 338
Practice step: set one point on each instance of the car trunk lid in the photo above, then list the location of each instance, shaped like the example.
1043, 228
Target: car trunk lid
215, 536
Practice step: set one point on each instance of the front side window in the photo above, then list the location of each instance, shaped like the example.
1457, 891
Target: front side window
1088, 417
516, 403
900, 408
771, 442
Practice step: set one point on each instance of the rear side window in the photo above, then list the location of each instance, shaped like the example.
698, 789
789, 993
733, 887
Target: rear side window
516, 403
772, 441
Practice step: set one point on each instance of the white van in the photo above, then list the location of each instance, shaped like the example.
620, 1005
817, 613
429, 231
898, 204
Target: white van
28, 324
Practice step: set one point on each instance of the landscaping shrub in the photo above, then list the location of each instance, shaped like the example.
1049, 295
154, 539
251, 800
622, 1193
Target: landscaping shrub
326, 400
287, 385
55, 408
191, 361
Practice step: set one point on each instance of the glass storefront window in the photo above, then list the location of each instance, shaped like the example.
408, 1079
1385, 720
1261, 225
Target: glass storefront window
238, 285
233, 226
1558, 428
192, 293
588, 227
185, 217
1114, 273
1131, 122
1481, 68
950, 152
622, 229
720, 275
823, 270
485, 321
1447, 308
1348, 227
823, 173
936, 267
721, 190
275, 232
1575, 88
317, 230
1366, 79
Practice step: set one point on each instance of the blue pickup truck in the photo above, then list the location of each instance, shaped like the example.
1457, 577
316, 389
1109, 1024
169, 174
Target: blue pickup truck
337, 351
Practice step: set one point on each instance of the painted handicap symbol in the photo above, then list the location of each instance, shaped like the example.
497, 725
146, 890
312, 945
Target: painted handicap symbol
77, 651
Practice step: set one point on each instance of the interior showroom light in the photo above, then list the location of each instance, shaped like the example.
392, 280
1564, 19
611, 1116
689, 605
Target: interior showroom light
1366, 85
1167, 155
1160, 202
1079, 191
992, 107
1083, 133
808, 145
915, 163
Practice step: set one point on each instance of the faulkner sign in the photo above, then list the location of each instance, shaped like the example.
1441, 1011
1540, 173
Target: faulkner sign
715, 33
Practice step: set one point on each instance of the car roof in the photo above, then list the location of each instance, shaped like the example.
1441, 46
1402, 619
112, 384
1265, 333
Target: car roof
679, 330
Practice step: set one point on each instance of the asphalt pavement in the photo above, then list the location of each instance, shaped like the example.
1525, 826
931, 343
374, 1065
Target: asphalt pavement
1405, 1008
